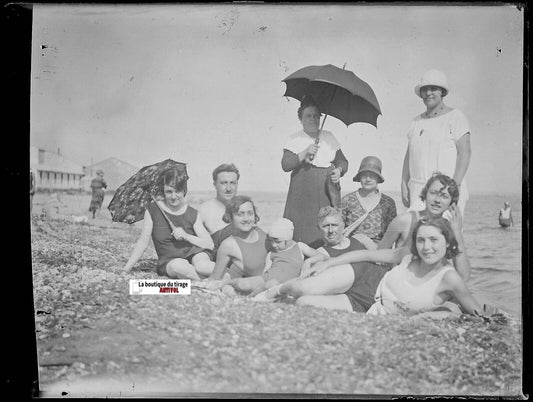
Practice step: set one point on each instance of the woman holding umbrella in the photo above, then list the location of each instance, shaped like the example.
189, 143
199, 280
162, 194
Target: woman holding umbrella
177, 231
312, 164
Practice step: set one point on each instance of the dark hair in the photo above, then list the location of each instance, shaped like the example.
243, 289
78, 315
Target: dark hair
225, 167
232, 207
452, 248
306, 102
447, 183
175, 179
326, 211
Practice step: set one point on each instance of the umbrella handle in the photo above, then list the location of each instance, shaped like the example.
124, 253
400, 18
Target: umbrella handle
172, 226
317, 139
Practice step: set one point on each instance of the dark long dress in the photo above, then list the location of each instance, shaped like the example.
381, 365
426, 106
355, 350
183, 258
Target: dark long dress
98, 185
307, 194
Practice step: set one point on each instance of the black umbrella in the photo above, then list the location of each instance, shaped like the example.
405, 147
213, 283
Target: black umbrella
338, 92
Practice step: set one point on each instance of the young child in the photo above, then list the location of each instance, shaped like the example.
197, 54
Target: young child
283, 263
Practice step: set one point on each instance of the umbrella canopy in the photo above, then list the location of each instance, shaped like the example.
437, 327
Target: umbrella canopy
131, 198
338, 92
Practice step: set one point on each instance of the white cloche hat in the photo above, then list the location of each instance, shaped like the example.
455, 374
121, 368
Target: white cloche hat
433, 77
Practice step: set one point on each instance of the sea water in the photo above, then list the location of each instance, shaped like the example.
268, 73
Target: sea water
495, 253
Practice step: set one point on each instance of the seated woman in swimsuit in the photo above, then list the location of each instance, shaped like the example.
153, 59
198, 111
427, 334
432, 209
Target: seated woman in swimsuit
425, 279
243, 254
283, 263
182, 251
335, 281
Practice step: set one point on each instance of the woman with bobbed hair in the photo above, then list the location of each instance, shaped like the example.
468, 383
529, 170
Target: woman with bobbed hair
183, 252
243, 254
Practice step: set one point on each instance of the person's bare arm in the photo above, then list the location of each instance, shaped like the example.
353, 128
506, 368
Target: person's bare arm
314, 256
464, 153
142, 243
457, 289
461, 262
203, 238
405, 180
268, 261
395, 231
390, 256
225, 255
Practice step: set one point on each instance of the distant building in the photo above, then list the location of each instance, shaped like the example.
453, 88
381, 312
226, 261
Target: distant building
53, 171
116, 172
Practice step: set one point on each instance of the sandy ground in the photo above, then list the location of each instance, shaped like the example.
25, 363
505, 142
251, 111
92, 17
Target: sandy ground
94, 339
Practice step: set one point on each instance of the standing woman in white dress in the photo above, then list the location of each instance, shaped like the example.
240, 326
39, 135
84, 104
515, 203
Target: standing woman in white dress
439, 140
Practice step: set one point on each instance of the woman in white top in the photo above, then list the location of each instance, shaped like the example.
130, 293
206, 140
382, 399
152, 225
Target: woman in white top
316, 169
425, 279
439, 140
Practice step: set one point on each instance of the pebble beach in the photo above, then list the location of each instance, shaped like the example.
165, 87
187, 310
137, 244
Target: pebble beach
95, 339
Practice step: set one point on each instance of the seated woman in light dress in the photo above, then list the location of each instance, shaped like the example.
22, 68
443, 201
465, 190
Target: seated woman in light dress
367, 212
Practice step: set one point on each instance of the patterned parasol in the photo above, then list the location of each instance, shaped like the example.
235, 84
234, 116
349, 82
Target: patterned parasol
132, 198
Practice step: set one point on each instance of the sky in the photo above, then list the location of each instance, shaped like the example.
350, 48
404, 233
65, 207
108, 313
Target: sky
202, 84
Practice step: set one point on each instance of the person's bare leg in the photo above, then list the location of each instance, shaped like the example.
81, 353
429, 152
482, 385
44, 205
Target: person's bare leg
179, 268
202, 264
247, 285
333, 281
258, 290
267, 285
332, 302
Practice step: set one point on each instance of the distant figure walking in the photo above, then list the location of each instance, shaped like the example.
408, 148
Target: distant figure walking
505, 217
98, 185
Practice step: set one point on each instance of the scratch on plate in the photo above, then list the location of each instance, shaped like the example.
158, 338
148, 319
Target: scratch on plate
227, 23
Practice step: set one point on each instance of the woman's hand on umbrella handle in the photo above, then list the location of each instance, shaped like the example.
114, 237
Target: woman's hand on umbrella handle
311, 151
179, 233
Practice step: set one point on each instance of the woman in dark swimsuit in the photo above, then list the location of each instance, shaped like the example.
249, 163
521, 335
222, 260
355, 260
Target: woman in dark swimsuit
243, 254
